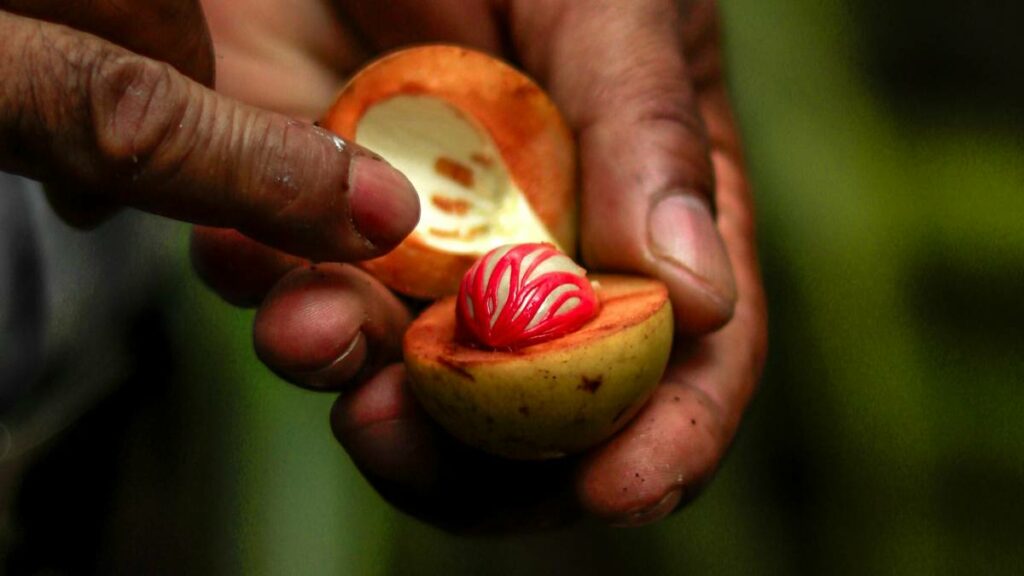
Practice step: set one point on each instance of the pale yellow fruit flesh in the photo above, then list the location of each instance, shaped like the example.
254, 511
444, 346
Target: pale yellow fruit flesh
554, 398
469, 203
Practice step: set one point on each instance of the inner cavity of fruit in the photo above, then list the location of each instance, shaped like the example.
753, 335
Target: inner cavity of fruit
469, 202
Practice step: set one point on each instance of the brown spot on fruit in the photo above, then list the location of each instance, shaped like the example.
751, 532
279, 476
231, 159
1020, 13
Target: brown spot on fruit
526, 91
414, 88
469, 234
454, 170
589, 384
456, 367
453, 206
482, 160
524, 410
442, 233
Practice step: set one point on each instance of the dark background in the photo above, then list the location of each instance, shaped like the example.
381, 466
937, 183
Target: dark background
886, 145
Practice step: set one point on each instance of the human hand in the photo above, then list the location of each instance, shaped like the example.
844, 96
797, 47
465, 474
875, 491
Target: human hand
641, 86
105, 103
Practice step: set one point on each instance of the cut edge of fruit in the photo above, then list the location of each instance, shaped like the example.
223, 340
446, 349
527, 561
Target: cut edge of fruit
438, 320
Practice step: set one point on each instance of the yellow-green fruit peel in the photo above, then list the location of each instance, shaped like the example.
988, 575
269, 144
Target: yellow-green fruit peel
554, 398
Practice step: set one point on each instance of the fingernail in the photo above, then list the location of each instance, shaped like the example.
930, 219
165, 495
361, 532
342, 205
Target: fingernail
384, 205
663, 508
339, 371
683, 233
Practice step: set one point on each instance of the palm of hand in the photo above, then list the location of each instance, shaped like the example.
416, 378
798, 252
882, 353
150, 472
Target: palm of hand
293, 57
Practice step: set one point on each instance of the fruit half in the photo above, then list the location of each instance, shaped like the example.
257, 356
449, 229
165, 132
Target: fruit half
550, 399
486, 149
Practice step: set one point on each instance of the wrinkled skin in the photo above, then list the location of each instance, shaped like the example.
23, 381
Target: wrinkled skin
663, 188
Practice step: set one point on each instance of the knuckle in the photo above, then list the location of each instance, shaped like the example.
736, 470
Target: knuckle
274, 168
674, 107
291, 167
44, 98
284, 172
679, 133
670, 103
46, 60
675, 138
654, 104
137, 105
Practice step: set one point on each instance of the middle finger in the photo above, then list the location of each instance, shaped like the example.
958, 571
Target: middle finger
323, 326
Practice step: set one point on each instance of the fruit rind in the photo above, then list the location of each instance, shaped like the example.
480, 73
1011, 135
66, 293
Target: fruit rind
527, 129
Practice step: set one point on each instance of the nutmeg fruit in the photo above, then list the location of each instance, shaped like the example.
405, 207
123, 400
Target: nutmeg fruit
486, 149
533, 399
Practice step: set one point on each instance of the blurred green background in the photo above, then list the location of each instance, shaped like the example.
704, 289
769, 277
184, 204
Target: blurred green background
885, 145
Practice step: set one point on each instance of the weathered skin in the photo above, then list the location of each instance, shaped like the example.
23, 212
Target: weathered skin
554, 398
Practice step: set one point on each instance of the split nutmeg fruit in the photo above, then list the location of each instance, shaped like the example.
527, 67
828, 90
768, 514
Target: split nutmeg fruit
532, 359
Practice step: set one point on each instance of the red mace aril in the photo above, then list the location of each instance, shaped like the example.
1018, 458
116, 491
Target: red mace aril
518, 295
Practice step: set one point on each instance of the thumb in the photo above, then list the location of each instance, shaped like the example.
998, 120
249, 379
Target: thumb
647, 180
80, 111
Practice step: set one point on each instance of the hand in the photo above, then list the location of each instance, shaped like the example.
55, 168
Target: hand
663, 194
104, 101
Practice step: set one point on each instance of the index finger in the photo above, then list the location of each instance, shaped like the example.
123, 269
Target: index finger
137, 132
